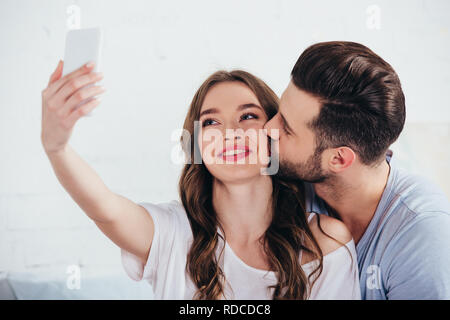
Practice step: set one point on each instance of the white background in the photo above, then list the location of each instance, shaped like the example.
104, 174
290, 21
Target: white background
155, 55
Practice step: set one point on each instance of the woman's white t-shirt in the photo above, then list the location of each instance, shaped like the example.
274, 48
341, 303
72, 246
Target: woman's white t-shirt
165, 268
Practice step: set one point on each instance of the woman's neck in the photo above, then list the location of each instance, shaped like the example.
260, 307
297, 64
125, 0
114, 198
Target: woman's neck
244, 209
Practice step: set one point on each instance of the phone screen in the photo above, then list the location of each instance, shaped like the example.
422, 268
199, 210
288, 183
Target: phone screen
82, 46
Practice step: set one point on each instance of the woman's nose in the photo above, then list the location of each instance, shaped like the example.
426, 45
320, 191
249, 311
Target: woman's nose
234, 131
228, 137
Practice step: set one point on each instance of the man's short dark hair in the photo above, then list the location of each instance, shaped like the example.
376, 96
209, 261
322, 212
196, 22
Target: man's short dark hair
363, 106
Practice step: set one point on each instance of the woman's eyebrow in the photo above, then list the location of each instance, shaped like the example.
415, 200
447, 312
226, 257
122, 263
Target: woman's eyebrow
248, 105
240, 108
208, 111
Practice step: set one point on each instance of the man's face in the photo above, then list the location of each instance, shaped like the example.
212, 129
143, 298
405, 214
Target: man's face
297, 145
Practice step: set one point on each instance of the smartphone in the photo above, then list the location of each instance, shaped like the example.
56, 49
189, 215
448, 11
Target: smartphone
82, 46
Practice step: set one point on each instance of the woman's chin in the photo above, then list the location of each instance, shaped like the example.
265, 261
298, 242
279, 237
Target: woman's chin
236, 172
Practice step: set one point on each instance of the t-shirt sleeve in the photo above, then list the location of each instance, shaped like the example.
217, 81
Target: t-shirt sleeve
171, 232
312, 202
418, 266
339, 279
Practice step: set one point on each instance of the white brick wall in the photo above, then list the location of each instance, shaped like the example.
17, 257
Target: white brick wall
156, 54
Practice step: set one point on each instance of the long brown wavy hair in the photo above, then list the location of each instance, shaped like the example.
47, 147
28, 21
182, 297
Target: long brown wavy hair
288, 233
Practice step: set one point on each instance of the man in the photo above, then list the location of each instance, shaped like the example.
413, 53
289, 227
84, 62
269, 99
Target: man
342, 109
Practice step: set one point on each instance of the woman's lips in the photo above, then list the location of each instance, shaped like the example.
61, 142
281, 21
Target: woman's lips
234, 153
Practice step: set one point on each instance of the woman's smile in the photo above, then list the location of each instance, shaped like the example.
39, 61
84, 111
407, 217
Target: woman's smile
234, 153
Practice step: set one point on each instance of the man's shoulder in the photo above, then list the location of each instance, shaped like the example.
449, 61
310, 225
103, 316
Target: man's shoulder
417, 212
418, 194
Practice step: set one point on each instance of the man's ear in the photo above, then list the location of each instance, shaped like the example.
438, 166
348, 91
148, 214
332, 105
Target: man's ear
340, 159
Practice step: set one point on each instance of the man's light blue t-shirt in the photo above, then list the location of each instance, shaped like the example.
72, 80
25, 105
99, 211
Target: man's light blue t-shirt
405, 250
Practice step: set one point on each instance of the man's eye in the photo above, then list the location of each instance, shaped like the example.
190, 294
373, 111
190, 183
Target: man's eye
208, 122
285, 127
249, 116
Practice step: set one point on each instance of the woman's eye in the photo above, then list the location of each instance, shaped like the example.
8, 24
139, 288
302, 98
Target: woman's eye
208, 122
249, 116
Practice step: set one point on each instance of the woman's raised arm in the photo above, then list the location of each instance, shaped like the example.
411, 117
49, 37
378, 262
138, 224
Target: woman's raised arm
126, 223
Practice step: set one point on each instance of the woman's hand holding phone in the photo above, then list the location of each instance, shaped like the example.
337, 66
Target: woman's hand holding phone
60, 100
126, 223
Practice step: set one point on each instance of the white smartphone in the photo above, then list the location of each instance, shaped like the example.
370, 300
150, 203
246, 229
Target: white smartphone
82, 46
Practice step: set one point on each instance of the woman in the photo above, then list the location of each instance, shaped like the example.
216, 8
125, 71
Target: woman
236, 233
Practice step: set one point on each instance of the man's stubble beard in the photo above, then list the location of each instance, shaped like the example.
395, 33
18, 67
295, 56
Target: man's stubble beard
331, 187
309, 171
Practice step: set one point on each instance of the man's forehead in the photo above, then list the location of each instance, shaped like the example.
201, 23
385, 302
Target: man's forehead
299, 104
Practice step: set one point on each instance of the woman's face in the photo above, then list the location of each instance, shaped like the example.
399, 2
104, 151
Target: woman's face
233, 146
